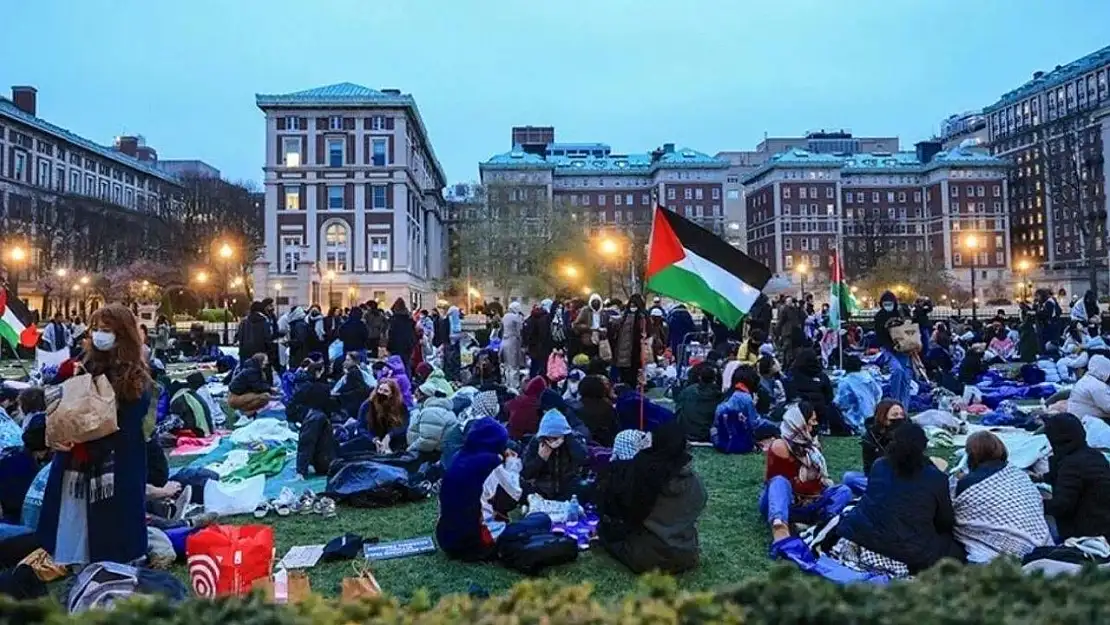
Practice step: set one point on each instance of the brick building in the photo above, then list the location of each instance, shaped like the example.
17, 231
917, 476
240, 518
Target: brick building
916, 208
354, 198
1056, 129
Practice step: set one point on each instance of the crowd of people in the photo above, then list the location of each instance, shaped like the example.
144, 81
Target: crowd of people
597, 403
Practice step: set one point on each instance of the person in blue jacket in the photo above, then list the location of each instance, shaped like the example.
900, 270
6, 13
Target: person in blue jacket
745, 381
461, 530
857, 395
896, 362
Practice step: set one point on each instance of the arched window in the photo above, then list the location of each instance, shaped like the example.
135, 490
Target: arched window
337, 246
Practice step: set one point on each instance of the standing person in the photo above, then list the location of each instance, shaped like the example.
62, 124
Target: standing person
629, 332
1048, 317
592, 325
255, 333
402, 333
93, 507
297, 335
560, 328
376, 328
452, 349
276, 333
680, 324
512, 354
896, 362
314, 342
331, 325
162, 335
439, 330
56, 333
657, 332
922, 308
353, 334
537, 339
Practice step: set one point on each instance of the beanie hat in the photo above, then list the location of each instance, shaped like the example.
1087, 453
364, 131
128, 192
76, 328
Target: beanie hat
553, 424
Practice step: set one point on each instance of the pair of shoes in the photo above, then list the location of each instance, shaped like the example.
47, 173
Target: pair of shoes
325, 507
285, 502
203, 519
262, 509
306, 503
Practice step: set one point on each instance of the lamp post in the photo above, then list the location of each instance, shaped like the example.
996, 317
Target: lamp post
802, 269
609, 248
1023, 272
226, 253
972, 243
330, 276
16, 256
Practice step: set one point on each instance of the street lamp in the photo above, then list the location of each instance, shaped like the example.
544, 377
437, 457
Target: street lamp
61, 273
586, 290
571, 271
330, 277
226, 251
277, 296
1023, 270
802, 269
84, 280
17, 255
972, 243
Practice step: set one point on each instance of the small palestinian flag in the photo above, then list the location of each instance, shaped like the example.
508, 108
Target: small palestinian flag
12, 329
841, 300
695, 266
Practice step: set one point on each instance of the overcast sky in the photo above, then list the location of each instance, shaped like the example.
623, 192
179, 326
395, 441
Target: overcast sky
708, 74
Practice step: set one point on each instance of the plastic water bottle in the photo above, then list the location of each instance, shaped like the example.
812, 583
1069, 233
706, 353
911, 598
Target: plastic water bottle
573, 512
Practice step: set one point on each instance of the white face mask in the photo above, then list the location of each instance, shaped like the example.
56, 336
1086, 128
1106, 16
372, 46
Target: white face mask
633, 308
888, 306
103, 341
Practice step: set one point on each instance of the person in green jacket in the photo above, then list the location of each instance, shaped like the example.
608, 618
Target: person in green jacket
697, 403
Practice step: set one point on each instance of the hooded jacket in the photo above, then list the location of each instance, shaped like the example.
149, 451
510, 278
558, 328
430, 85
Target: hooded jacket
695, 409
537, 334
857, 395
1091, 395
377, 325
583, 322
524, 410
808, 382
248, 379
1080, 479
255, 333
353, 333
437, 384
681, 324
597, 411
484, 405
402, 334
553, 478
461, 531
882, 333
427, 427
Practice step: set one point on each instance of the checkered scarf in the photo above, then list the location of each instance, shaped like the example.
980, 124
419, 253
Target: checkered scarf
484, 404
1003, 514
629, 443
862, 559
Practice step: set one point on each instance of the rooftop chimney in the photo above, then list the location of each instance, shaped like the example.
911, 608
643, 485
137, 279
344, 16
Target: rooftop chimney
25, 98
392, 91
668, 147
926, 150
128, 145
1038, 75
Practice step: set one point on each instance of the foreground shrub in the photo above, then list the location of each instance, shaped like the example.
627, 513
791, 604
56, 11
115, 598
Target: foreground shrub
948, 594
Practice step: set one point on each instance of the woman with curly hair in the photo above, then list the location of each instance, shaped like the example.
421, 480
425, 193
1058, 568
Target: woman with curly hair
93, 508
384, 417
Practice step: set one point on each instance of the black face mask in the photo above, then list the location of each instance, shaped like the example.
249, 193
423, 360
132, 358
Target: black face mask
595, 305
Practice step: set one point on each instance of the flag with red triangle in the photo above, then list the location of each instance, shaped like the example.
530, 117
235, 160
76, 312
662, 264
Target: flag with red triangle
841, 300
692, 265
12, 329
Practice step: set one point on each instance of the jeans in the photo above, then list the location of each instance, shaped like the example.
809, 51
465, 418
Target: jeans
900, 375
856, 481
777, 502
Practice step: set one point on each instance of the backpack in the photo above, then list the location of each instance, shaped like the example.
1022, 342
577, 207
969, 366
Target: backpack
730, 434
558, 330
194, 412
101, 584
556, 366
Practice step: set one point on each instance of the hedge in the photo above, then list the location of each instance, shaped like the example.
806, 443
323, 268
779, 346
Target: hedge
948, 594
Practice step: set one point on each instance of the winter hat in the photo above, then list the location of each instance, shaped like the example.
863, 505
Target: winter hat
767, 350
657, 312
423, 370
628, 443
553, 424
580, 360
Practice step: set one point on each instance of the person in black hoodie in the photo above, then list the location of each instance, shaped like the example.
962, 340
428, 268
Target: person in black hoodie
536, 337
377, 326
597, 409
316, 446
896, 362
249, 390
255, 333
922, 308
402, 333
353, 333
807, 382
1080, 479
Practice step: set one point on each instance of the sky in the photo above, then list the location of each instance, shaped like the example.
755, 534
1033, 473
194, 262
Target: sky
711, 75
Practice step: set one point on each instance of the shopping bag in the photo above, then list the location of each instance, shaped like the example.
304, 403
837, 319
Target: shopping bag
604, 350
43, 565
226, 560
906, 337
362, 586
86, 412
284, 587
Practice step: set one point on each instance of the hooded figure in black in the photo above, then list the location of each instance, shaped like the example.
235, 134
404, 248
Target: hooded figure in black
888, 310
1080, 479
807, 382
255, 333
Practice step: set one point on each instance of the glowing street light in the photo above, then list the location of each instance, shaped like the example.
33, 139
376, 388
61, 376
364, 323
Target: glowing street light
84, 280
802, 269
226, 251
61, 273
201, 277
609, 247
586, 290
971, 242
18, 254
75, 288
571, 271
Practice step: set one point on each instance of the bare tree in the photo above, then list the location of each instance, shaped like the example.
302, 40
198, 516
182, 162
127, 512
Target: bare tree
870, 237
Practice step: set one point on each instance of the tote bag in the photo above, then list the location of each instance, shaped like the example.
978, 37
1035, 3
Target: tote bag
906, 337
86, 412
226, 560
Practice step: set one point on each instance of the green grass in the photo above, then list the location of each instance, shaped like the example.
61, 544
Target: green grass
734, 540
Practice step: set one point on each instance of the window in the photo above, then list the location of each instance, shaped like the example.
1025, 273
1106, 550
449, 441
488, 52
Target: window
379, 253
1000, 257
377, 122
786, 193
698, 194
586, 200
645, 199
874, 197
292, 198
813, 193
335, 122
336, 244
955, 191
379, 153
788, 262
688, 194
618, 199
117, 194
60, 179
788, 244
998, 190
335, 152
805, 245
957, 259
20, 166
601, 200
335, 197
699, 211
828, 193
716, 193
734, 194
290, 253
618, 216
982, 192
291, 151
292, 123
716, 210
670, 193
104, 189
786, 209
890, 197
901, 196
916, 196
75, 181
802, 193
90, 185
628, 199
129, 197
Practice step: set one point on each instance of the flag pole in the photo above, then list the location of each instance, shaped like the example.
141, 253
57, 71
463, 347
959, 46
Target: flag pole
840, 272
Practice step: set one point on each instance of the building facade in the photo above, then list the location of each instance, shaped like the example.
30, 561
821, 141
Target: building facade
354, 203
1053, 128
967, 129
71, 205
919, 209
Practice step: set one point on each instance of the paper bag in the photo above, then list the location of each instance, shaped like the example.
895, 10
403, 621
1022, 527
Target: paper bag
363, 586
604, 350
297, 587
86, 411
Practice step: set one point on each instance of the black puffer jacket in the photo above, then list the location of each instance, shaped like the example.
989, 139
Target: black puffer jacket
874, 442
248, 379
255, 334
1080, 479
808, 382
882, 333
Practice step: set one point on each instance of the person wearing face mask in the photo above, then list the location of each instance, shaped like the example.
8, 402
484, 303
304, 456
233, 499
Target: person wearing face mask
553, 458
629, 332
94, 505
512, 351
591, 325
878, 432
896, 362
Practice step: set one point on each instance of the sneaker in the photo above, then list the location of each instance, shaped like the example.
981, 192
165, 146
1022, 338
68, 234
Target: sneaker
325, 507
203, 519
261, 510
305, 504
285, 502
181, 502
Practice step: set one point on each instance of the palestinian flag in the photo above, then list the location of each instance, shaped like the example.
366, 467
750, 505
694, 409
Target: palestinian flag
695, 266
12, 330
841, 300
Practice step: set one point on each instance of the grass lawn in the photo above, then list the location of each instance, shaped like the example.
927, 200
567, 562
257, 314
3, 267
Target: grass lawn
734, 539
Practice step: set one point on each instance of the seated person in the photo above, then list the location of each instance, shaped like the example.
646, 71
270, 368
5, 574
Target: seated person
748, 354
808, 383
797, 478
316, 445
998, 509
429, 424
741, 403
196, 414
1000, 347
11, 434
696, 405
906, 514
1074, 352
878, 433
436, 384
310, 373
249, 390
972, 366
651, 504
771, 394
857, 394
1080, 480
551, 399
524, 410
482, 406
597, 411
384, 418
1090, 397
553, 458
352, 389
462, 531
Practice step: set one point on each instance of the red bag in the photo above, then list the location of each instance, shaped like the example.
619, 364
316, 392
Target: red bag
226, 559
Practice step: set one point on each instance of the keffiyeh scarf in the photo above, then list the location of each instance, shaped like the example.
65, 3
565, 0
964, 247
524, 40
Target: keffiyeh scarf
629, 443
803, 446
1003, 514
